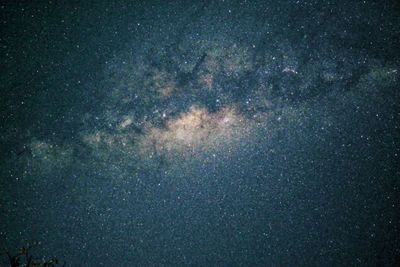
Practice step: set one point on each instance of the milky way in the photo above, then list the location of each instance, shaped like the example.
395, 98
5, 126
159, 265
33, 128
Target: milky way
226, 133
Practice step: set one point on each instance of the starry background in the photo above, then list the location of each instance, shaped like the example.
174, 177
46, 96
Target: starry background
204, 133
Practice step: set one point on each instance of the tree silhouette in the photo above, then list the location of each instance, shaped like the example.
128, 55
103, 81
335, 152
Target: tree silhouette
24, 259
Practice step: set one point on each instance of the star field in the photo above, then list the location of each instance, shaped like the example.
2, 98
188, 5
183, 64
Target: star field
212, 133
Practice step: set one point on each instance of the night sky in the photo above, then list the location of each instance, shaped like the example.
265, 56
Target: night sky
201, 133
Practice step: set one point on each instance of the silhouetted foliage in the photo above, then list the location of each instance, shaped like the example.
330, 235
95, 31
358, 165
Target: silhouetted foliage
25, 259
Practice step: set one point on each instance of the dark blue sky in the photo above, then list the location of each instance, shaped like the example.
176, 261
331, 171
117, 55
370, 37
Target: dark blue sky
207, 133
